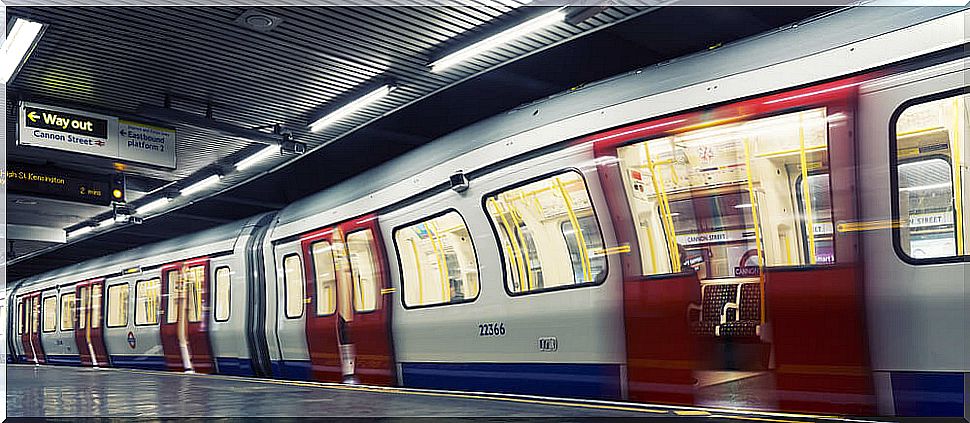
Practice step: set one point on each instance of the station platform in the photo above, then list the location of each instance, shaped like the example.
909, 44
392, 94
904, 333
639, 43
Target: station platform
56, 391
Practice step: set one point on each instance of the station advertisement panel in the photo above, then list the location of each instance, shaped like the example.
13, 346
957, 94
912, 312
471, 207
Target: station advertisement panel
84, 132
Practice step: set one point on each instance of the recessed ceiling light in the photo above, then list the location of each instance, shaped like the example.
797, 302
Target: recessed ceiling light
258, 20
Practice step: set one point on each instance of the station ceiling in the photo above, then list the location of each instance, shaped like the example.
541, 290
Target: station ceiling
198, 60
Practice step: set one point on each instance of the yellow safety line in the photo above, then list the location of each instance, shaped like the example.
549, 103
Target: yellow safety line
806, 192
957, 175
417, 264
665, 218
757, 227
510, 235
527, 262
918, 131
577, 231
442, 262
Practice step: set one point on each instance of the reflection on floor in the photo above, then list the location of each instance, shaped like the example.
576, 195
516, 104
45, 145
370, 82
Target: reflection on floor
736, 389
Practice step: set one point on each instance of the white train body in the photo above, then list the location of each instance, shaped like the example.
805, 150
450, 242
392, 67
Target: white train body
332, 287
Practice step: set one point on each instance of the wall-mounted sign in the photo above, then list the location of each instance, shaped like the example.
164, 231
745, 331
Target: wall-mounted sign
61, 184
96, 134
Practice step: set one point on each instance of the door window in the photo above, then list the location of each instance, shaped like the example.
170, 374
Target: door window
325, 277
223, 294
50, 314
364, 271
294, 286
67, 311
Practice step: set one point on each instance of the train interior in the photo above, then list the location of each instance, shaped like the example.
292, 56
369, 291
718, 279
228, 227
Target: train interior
723, 201
931, 168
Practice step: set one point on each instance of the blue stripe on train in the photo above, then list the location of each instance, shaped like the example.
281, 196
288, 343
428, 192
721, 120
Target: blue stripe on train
234, 366
149, 362
928, 394
561, 380
71, 360
291, 369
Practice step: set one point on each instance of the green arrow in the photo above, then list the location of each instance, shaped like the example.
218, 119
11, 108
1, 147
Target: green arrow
32, 115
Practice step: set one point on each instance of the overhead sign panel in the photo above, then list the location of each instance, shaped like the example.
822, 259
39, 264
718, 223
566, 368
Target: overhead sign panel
96, 134
61, 184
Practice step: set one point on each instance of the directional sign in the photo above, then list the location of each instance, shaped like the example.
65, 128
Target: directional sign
61, 184
96, 134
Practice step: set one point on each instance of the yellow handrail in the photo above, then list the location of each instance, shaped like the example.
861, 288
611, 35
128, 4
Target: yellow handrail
757, 228
442, 262
957, 175
791, 150
665, 218
577, 231
806, 193
524, 247
510, 235
417, 266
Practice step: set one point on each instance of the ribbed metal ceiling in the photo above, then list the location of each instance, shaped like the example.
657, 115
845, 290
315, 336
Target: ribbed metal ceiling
116, 60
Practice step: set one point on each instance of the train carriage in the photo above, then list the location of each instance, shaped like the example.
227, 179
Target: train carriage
775, 224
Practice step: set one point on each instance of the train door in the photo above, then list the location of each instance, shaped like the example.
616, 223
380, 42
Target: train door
350, 307
22, 329
88, 332
185, 316
31, 335
736, 265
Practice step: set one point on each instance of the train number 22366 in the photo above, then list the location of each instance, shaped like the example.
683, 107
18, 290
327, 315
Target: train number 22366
491, 329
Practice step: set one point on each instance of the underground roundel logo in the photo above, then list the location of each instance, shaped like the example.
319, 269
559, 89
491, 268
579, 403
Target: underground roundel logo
131, 339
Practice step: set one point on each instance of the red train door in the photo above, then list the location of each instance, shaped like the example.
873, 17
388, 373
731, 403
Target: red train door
739, 198
88, 333
23, 327
35, 327
185, 316
348, 329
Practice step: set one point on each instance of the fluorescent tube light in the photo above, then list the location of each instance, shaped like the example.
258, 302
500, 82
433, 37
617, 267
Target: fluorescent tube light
154, 205
15, 48
107, 222
258, 157
743, 206
79, 231
201, 185
351, 107
496, 40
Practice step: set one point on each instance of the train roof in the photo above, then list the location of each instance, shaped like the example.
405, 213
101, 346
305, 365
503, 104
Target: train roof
223, 234
804, 39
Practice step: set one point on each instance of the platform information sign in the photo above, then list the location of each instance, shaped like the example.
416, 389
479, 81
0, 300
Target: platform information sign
61, 184
83, 132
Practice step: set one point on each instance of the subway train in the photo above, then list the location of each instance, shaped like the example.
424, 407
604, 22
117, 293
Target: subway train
774, 224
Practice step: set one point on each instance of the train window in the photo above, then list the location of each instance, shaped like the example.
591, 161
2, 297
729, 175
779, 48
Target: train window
438, 263
194, 280
223, 299
67, 311
721, 200
96, 303
35, 315
118, 305
549, 235
173, 292
50, 314
83, 307
931, 167
363, 267
293, 285
147, 294
325, 276
822, 230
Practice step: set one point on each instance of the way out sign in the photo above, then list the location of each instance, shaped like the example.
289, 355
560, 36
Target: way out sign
84, 132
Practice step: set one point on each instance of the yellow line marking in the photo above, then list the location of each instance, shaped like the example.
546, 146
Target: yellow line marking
692, 413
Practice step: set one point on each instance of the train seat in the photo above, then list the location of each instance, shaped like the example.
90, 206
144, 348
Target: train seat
731, 309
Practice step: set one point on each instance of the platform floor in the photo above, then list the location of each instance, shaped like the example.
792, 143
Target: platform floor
53, 391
